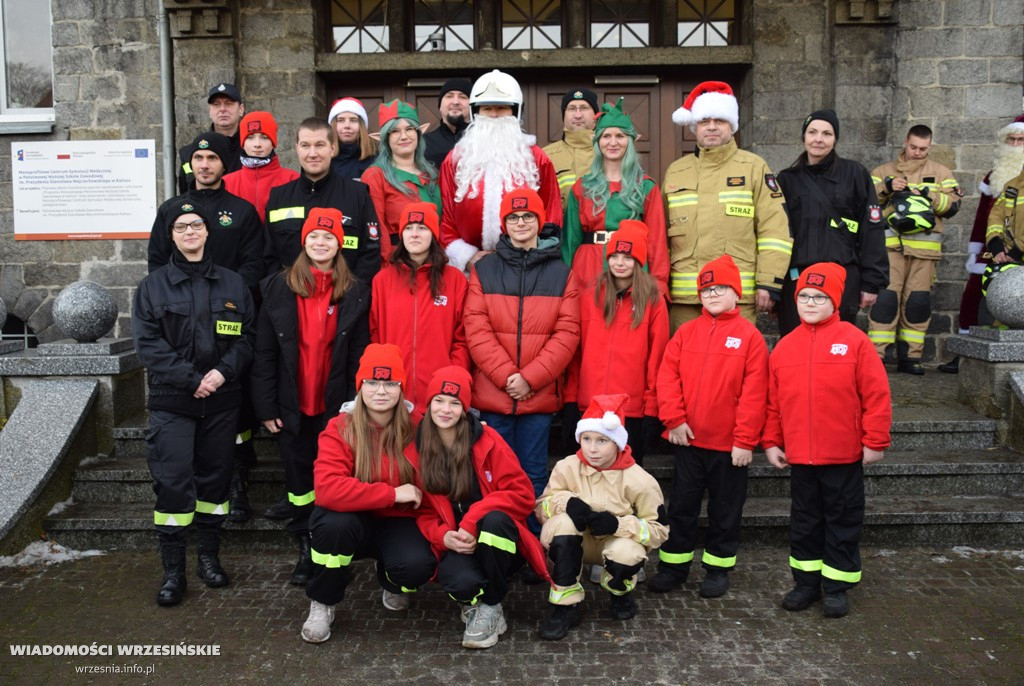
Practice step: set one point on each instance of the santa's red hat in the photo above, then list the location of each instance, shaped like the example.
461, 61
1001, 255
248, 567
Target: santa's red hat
607, 416
352, 105
709, 100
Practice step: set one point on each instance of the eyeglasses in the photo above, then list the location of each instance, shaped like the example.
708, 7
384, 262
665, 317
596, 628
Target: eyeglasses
404, 131
525, 218
388, 386
1015, 140
585, 109
713, 290
182, 227
804, 298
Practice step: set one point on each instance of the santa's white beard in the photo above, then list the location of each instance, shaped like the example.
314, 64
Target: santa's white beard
1008, 163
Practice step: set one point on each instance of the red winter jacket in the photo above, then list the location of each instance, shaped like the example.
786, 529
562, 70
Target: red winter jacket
828, 395
254, 184
429, 330
522, 315
337, 489
714, 377
618, 358
505, 488
318, 327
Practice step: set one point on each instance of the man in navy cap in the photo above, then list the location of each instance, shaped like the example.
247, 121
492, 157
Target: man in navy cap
226, 111
573, 153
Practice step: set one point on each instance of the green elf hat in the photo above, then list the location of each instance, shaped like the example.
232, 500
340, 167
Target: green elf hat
612, 115
396, 109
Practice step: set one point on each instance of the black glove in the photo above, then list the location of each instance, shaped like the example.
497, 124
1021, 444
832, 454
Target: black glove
603, 523
578, 512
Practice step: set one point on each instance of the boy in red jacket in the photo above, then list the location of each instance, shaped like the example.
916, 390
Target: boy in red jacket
712, 389
829, 407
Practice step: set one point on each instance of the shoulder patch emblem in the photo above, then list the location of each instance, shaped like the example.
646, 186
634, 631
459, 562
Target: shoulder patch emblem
373, 231
875, 213
773, 185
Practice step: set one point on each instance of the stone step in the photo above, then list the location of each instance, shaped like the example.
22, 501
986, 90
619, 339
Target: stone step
894, 520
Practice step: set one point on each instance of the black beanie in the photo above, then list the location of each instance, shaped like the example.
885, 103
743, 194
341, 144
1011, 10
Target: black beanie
214, 142
580, 94
461, 85
823, 115
186, 207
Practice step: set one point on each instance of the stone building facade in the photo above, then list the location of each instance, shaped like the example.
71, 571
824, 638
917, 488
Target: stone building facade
884, 65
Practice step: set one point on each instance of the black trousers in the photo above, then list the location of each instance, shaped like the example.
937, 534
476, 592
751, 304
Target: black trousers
190, 460
298, 452
404, 558
826, 519
698, 470
848, 307
482, 576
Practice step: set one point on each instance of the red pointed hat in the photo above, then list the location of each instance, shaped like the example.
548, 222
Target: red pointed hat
397, 109
721, 271
630, 238
709, 100
381, 362
827, 277
421, 213
607, 416
324, 219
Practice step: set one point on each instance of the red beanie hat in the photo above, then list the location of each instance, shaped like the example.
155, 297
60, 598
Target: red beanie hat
522, 200
381, 362
421, 213
259, 122
324, 219
721, 271
607, 416
827, 277
630, 238
453, 381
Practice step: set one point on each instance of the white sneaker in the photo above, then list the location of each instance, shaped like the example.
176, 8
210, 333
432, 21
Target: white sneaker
466, 612
317, 627
396, 602
595, 573
485, 625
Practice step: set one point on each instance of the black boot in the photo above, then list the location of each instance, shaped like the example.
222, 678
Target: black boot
238, 497
715, 584
669, 577
623, 606
910, 367
563, 618
951, 367
208, 568
172, 553
303, 571
282, 509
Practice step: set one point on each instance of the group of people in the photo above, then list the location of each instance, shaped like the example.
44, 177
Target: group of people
407, 334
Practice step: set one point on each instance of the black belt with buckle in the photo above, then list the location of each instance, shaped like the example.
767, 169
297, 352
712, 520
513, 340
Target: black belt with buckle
596, 237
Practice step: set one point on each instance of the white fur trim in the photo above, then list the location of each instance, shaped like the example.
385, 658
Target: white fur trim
1012, 127
618, 434
984, 188
460, 252
493, 191
349, 105
714, 106
682, 117
975, 248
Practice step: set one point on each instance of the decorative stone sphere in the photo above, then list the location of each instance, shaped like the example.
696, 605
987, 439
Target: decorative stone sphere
84, 311
3, 313
1005, 297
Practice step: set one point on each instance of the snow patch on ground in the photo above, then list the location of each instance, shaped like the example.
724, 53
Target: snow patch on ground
45, 553
966, 551
60, 507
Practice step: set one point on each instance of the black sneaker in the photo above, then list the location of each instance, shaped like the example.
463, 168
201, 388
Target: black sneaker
665, 581
800, 598
910, 367
623, 606
563, 618
835, 605
715, 584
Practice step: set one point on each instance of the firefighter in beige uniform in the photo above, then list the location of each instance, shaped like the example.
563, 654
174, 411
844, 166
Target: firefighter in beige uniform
915, 193
723, 200
574, 153
1004, 237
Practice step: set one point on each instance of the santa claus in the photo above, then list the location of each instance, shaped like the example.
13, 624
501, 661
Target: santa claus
493, 157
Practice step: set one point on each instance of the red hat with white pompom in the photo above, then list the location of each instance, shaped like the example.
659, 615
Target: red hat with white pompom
607, 416
709, 100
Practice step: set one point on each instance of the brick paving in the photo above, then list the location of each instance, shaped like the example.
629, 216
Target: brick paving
922, 616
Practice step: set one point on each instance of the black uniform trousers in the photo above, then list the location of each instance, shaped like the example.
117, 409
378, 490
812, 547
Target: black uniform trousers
298, 452
190, 460
404, 558
697, 470
483, 575
826, 519
789, 319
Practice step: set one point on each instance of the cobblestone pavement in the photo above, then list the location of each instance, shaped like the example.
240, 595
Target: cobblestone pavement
921, 616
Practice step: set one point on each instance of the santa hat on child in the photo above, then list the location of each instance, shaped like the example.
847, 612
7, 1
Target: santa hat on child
709, 100
630, 238
421, 213
324, 219
607, 416
827, 277
721, 271
353, 105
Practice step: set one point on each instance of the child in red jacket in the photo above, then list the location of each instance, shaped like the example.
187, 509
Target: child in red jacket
829, 407
712, 389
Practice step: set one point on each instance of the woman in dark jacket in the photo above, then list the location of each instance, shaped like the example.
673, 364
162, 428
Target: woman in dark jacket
313, 327
193, 324
833, 217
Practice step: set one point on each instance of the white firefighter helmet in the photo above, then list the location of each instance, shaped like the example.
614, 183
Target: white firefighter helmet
497, 88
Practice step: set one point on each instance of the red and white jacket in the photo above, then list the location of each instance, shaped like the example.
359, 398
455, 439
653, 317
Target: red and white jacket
714, 377
828, 395
254, 184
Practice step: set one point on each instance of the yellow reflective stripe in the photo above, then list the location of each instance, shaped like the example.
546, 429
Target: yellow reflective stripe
499, 542
911, 336
675, 558
645, 533
283, 213
472, 602
942, 204
851, 225
404, 589
839, 575
556, 596
298, 500
892, 241
350, 243
683, 284
546, 506
715, 561
923, 244
992, 231
243, 436
566, 179
738, 196
805, 565
950, 183
682, 199
877, 336
875, 180
328, 560
628, 583
172, 518
187, 168
747, 281
776, 244
204, 507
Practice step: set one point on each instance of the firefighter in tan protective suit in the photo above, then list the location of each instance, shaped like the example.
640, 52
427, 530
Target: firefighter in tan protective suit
916, 193
723, 200
573, 154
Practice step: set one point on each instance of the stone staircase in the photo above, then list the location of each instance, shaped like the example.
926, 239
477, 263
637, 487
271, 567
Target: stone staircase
943, 482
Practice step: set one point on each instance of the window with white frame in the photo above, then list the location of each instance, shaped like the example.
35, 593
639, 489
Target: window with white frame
26, 80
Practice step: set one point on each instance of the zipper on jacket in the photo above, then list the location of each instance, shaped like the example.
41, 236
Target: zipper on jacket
415, 322
704, 365
810, 397
519, 326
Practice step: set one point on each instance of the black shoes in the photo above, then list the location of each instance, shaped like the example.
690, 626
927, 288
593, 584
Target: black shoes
715, 584
665, 581
239, 509
951, 367
910, 367
174, 584
209, 570
623, 606
303, 571
835, 605
563, 618
801, 597
282, 509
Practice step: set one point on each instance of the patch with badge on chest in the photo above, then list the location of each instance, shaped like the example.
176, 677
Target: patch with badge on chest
736, 181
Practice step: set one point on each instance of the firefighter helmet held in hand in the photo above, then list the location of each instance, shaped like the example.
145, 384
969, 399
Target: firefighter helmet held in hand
911, 213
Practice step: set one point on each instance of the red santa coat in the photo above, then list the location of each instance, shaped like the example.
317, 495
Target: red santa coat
462, 223
254, 184
714, 377
828, 395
